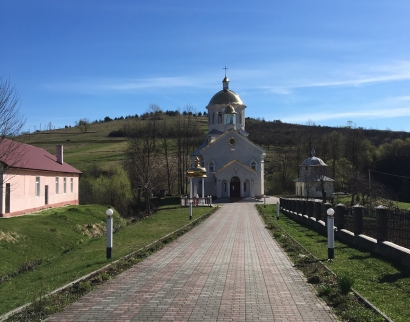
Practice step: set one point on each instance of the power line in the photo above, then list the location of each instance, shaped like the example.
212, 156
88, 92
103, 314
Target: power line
389, 174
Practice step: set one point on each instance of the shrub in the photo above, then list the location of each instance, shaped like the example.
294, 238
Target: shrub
345, 282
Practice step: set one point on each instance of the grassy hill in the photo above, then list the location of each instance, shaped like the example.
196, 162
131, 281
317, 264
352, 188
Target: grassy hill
83, 149
286, 146
42, 252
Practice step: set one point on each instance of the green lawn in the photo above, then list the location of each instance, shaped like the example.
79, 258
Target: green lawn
348, 199
61, 245
384, 284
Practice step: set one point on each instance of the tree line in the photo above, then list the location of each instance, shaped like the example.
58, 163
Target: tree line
364, 163
157, 158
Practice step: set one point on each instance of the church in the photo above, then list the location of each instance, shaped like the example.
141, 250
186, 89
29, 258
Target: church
234, 165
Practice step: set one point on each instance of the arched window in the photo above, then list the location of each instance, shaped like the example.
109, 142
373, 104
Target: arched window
219, 117
211, 166
253, 165
213, 118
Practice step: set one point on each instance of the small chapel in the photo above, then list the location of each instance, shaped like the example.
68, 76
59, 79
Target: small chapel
234, 164
313, 181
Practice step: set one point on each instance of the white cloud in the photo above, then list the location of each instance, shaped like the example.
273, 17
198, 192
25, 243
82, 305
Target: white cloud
93, 86
298, 75
381, 113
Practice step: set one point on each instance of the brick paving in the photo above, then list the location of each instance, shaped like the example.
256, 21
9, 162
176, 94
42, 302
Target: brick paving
226, 269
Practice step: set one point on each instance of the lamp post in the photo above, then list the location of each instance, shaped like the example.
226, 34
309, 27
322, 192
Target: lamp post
109, 214
194, 172
330, 234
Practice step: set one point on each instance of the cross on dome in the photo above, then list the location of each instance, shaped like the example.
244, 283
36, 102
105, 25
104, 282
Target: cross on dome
225, 70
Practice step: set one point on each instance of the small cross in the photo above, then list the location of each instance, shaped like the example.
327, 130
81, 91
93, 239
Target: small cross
225, 69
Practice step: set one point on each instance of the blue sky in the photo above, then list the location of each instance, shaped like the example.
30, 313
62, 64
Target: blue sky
326, 62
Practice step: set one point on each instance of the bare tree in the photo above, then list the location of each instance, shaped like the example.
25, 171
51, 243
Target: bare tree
170, 159
335, 141
12, 153
144, 163
11, 121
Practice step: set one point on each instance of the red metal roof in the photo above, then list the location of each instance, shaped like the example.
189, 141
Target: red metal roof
23, 156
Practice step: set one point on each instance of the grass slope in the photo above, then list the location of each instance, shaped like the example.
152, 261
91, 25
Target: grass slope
81, 150
42, 252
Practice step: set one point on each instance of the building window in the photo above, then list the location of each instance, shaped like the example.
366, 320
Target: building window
72, 185
213, 118
56, 185
219, 117
65, 185
244, 187
211, 166
37, 186
253, 165
224, 186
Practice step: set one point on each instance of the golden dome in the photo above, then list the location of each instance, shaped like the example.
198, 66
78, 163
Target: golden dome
197, 171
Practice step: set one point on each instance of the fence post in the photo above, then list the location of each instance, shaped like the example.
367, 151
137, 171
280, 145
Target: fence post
340, 216
303, 207
318, 211
382, 224
311, 208
358, 219
294, 206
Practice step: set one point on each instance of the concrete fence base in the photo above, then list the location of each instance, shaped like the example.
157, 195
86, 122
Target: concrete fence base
386, 249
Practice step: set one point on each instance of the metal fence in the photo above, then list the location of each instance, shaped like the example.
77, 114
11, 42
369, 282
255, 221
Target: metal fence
381, 223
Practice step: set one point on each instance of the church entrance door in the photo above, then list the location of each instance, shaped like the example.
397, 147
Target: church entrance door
235, 188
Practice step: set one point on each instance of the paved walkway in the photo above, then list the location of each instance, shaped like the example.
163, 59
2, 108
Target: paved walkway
226, 269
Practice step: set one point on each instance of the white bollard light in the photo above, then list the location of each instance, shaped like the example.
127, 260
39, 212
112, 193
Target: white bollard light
330, 234
109, 214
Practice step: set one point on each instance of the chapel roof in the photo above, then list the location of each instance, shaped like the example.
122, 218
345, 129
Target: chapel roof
313, 161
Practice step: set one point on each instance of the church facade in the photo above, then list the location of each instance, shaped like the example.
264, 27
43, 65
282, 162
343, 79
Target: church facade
235, 165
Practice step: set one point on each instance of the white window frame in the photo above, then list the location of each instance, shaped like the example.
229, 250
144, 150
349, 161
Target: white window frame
72, 185
57, 185
38, 187
65, 185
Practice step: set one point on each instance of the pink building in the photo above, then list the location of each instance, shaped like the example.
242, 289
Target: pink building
32, 179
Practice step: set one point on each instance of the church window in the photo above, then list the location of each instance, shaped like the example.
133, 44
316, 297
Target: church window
224, 186
253, 165
239, 118
211, 166
213, 118
244, 187
219, 117
229, 119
